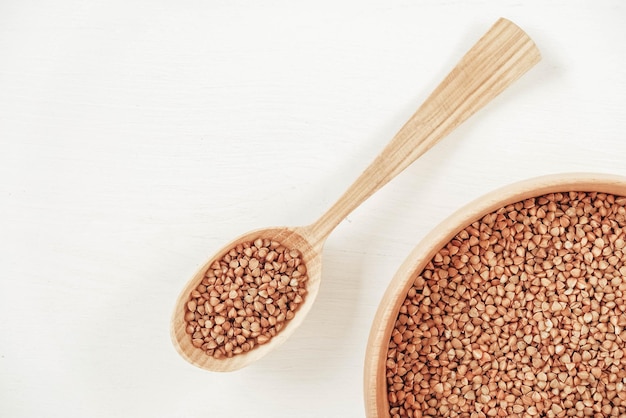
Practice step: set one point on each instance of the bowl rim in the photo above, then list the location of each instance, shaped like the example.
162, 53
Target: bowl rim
374, 382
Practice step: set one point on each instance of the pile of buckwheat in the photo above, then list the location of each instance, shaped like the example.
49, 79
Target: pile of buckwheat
521, 314
245, 298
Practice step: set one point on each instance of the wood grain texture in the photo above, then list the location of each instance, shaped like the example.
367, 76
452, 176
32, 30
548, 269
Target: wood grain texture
499, 58
375, 383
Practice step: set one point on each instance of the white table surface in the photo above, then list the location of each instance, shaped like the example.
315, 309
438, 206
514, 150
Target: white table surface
137, 137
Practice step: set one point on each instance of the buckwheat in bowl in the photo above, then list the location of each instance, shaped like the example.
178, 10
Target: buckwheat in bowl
515, 306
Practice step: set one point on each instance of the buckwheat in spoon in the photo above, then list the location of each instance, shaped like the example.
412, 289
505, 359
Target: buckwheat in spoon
250, 296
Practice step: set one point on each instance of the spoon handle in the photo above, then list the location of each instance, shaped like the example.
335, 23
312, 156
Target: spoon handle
500, 57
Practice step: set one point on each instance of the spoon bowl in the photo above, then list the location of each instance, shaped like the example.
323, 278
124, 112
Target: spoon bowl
311, 251
499, 58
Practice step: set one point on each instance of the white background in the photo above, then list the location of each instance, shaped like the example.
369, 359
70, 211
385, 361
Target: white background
138, 137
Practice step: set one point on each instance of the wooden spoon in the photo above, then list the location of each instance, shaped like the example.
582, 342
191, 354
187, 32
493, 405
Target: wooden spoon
501, 56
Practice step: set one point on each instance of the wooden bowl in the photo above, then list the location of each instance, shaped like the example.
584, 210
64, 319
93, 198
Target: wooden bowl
375, 386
